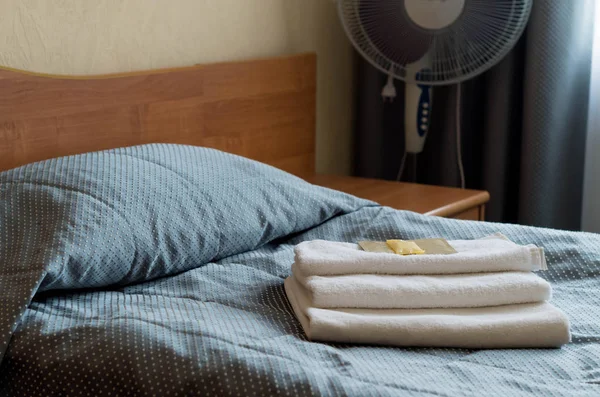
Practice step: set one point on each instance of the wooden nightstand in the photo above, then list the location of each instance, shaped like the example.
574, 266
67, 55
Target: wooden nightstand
425, 199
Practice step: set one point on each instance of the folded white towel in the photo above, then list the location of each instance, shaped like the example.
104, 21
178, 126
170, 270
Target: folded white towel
534, 325
329, 258
372, 291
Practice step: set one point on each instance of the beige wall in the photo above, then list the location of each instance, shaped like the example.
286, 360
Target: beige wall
105, 36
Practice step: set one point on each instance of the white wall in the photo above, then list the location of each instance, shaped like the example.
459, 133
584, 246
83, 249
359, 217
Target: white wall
105, 36
590, 220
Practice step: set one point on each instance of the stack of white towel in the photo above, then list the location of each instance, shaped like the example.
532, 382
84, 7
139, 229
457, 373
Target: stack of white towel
483, 296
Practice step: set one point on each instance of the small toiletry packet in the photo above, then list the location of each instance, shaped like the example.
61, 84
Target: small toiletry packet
375, 246
431, 246
403, 247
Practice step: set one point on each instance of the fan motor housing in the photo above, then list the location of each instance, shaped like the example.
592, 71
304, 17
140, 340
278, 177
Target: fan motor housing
434, 14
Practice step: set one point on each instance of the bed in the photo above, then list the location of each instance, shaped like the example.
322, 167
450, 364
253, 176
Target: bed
150, 260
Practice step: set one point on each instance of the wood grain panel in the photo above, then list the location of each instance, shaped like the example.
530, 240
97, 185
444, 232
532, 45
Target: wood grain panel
269, 76
262, 109
425, 199
473, 214
58, 96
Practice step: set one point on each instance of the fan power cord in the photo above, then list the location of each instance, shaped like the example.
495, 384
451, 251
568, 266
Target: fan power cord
389, 90
402, 164
461, 168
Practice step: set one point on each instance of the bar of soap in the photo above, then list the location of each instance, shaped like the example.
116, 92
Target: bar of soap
403, 247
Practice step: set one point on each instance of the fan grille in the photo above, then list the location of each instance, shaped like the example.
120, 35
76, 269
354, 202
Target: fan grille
482, 35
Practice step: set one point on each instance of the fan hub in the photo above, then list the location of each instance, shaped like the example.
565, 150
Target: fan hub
434, 14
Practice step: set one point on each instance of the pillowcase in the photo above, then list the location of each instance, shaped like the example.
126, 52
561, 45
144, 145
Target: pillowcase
133, 214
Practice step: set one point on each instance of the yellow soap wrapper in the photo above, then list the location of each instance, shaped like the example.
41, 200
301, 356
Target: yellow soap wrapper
403, 247
375, 246
435, 246
431, 246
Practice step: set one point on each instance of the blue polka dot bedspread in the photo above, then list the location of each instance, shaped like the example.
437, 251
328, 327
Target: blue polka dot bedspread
158, 270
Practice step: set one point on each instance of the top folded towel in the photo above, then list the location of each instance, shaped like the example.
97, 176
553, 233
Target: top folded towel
492, 254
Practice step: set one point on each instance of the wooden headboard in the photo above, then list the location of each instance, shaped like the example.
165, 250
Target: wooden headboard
261, 109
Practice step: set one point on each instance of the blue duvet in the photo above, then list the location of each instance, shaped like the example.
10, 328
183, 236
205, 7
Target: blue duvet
163, 309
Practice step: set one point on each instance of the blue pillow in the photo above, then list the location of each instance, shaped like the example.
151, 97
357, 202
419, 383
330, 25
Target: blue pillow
133, 214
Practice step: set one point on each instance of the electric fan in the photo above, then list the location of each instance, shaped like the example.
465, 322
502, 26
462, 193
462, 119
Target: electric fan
432, 42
